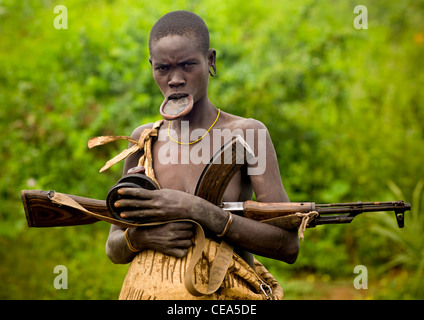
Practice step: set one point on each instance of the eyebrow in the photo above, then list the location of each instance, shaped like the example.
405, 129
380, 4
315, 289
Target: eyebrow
187, 60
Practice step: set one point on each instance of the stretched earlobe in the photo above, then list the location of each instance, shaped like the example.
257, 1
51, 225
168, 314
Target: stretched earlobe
212, 62
213, 74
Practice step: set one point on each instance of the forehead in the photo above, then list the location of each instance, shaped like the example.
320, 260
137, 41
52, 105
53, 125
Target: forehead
175, 47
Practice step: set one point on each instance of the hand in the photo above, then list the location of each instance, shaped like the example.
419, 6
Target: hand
172, 238
156, 205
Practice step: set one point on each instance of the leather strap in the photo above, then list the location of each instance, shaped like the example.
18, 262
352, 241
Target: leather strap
144, 143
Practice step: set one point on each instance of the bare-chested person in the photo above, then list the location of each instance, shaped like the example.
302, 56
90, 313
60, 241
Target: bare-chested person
181, 62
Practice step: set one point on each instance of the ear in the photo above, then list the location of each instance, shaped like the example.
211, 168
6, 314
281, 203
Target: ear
212, 58
212, 61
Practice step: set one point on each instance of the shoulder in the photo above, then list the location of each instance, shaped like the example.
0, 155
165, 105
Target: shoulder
235, 122
132, 160
137, 131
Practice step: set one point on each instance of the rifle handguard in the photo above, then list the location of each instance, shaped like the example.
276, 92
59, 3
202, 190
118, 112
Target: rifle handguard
261, 211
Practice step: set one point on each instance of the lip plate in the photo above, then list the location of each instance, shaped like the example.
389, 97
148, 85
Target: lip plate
177, 107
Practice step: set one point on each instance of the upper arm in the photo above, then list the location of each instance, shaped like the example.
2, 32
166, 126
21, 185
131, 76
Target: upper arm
132, 160
263, 169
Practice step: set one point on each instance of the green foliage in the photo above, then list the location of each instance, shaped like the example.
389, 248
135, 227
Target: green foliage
407, 243
344, 108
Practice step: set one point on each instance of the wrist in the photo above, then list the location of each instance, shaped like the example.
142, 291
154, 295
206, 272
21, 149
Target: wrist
212, 217
227, 225
128, 240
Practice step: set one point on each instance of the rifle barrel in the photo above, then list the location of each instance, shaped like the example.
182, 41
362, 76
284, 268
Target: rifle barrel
356, 208
352, 209
400, 202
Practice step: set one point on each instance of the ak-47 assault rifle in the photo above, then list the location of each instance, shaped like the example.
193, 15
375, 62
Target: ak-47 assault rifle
52, 209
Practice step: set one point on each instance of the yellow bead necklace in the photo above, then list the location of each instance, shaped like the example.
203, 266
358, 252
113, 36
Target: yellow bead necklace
187, 143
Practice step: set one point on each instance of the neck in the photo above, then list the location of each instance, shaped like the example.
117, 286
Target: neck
202, 115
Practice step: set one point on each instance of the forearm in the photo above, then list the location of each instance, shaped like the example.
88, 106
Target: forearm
263, 239
253, 236
116, 247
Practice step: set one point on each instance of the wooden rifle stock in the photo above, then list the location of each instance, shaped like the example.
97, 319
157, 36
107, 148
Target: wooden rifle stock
41, 211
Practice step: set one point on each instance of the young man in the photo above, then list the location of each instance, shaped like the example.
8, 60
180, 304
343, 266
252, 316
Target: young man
182, 62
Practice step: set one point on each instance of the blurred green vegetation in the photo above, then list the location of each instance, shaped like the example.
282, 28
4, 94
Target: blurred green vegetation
344, 108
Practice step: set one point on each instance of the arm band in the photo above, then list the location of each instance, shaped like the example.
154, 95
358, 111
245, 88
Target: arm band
227, 226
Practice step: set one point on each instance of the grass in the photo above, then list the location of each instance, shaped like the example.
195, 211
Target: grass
390, 286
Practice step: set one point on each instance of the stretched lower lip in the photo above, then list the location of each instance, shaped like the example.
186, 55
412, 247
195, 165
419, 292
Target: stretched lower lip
177, 95
176, 109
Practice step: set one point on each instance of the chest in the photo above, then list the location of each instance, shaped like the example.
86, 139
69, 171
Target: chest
179, 167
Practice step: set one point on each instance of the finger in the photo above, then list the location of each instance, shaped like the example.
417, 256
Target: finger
182, 226
138, 169
138, 214
133, 204
182, 235
176, 252
136, 193
183, 244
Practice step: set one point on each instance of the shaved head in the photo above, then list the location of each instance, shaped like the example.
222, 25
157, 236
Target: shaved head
181, 23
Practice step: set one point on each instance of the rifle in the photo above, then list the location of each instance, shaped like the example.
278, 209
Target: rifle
43, 209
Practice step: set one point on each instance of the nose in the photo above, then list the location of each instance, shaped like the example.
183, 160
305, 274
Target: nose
176, 79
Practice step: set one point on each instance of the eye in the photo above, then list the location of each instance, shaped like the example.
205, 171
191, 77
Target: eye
188, 65
162, 68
